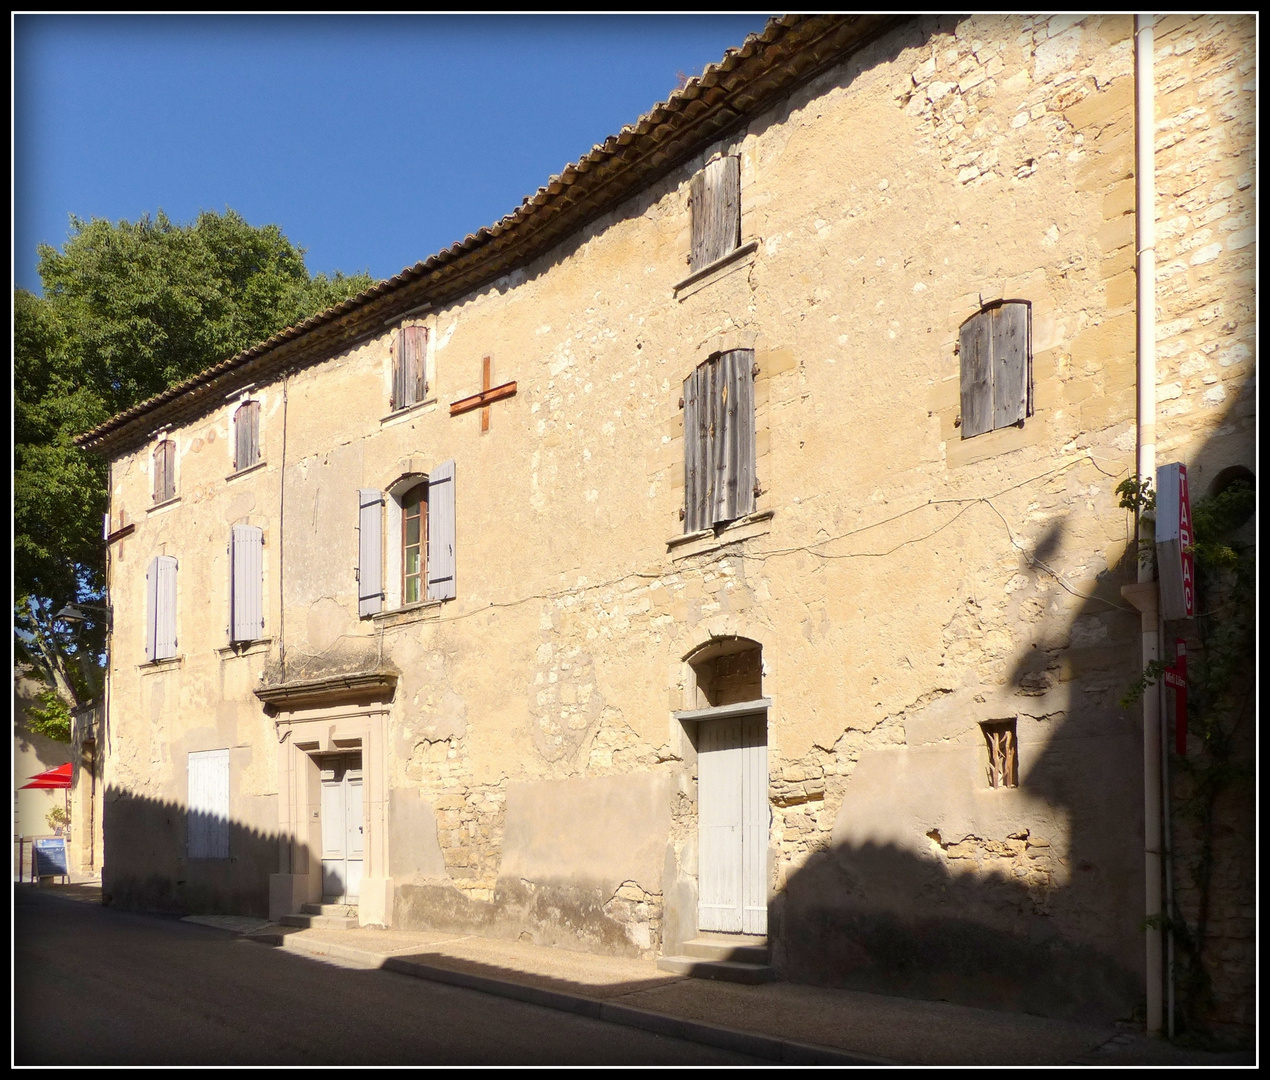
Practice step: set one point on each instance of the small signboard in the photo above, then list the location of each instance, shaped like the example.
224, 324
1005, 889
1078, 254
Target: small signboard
50, 857
1174, 537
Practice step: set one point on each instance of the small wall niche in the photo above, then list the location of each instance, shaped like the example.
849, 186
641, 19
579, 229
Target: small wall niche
726, 671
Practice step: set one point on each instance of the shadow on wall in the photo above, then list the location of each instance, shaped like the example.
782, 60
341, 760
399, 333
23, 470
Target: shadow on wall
146, 866
1002, 915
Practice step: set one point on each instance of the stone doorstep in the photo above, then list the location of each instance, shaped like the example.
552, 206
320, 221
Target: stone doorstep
349, 910
727, 970
320, 922
770, 1048
738, 947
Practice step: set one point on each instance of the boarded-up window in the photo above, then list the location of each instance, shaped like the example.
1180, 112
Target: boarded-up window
1003, 753
246, 435
165, 471
207, 814
160, 643
409, 367
719, 440
996, 368
246, 572
716, 211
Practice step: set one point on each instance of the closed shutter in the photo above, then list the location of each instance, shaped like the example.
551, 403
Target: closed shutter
410, 366
370, 587
441, 530
716, 211
734, 437
247, 435
165, 607
165, 471
1010, 381
207, 816
152, 607
976, 375
246, 572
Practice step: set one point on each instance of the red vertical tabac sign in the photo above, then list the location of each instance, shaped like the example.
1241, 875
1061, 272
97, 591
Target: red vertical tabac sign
1174, 537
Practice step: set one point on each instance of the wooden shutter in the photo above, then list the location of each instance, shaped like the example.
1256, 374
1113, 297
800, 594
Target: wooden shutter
1010, 368
164, 471
441, 532
152, 607
370, 577
716, 211
976, 375
696, 454
734, 436
165, 607
207, 816
246, 572
247, 435
410, 366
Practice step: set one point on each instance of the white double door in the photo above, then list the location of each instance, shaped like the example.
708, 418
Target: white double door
733, 820
342, 839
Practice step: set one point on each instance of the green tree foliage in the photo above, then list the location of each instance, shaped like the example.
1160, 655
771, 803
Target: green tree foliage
129, 308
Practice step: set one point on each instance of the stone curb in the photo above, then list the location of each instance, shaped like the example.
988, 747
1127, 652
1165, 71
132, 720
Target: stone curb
769, 1047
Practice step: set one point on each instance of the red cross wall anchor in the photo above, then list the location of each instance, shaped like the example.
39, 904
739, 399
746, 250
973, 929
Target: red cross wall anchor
482, 400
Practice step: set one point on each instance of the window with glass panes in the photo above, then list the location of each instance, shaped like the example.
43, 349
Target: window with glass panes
414, 542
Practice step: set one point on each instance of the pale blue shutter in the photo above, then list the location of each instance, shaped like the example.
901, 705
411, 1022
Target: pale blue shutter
246, 573
207, 817
165, 607
441, 532
370, 578
152, 606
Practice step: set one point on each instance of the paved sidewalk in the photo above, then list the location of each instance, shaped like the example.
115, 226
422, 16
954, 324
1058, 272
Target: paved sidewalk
778, 1021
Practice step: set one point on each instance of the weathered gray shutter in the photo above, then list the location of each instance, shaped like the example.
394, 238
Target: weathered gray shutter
716, 211
152, 606
1010, 379
696, 454
370, 577
165, 607
734, 489
246, 572
247, 435
207, 801
976, 375
441, 529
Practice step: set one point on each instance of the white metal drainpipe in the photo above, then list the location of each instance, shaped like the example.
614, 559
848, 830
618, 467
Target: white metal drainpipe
1144, 595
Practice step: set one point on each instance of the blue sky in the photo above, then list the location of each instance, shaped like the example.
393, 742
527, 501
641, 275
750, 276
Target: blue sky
371, 141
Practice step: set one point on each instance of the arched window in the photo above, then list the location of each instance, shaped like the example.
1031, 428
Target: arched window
414, 543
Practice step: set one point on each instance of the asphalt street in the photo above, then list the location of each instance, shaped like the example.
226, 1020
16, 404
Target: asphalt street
97, 986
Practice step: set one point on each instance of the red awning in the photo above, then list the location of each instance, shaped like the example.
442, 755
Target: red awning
53, 778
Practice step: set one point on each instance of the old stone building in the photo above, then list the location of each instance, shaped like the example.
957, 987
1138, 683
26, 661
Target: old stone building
726, 540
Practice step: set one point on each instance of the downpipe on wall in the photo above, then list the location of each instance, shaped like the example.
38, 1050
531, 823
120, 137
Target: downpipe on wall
1144, 595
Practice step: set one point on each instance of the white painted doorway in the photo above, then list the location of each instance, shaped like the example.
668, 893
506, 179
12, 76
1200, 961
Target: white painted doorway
342, 827
732, 824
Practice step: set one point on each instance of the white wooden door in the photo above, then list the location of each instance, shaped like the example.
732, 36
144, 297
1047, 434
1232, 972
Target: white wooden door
733, 818
342, 826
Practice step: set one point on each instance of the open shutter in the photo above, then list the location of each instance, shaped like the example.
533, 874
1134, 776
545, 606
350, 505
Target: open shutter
165, 607
152, 607
696, 455
246, 571
976, 375
370, 578
1010, 350
441, 532
207, 799
716, 211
